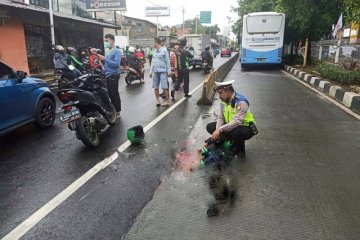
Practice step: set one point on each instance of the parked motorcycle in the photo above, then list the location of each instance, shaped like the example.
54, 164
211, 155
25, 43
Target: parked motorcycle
65, 77
87, 109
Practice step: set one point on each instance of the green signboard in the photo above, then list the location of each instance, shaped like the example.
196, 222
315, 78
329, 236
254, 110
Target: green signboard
205, 17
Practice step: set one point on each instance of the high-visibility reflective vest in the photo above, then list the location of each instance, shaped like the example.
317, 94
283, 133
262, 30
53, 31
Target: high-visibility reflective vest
230, 110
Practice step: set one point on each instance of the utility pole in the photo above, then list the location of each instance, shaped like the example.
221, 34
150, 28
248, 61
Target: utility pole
157, 26
116, 31
196, 24
52, 23
183, 12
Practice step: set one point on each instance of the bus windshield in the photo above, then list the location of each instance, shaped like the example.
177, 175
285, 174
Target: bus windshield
264, 24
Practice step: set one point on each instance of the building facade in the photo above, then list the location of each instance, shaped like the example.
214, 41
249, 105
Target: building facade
141, 33
25, 40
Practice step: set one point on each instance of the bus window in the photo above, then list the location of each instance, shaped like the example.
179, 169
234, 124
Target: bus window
264, 24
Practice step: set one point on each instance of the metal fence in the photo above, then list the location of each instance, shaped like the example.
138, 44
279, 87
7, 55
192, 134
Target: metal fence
219, 75
335, 51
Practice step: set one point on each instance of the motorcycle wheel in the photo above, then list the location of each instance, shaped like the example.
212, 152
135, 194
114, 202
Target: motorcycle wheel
112, 117
128, 80
84, 133
64, 83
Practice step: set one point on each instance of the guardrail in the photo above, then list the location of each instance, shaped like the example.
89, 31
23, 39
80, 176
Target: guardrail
216, 76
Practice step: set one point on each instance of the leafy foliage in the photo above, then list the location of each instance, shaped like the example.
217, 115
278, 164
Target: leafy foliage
352, 9
339, 74
304, 19
210, 30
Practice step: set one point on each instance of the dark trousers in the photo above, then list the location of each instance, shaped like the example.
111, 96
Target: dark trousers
184, 75
112, 83
150, 59
237, 136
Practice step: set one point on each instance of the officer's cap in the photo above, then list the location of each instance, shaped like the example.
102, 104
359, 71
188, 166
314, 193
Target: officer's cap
223, 85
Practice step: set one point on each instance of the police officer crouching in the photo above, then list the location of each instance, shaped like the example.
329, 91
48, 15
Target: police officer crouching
235, 122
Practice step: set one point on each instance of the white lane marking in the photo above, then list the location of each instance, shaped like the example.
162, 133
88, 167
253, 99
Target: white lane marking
325, 96
41, 213
30, 222
161, 116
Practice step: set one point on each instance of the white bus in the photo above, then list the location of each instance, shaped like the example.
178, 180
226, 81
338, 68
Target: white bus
262, 38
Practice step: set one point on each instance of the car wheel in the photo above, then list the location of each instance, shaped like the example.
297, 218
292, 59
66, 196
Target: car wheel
45, 113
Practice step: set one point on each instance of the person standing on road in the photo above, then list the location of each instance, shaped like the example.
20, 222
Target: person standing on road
159, 71
112, 71
235, 122
183, 64
150, 55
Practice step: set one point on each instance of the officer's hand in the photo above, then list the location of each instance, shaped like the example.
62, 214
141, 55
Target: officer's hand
101, 57
216, 135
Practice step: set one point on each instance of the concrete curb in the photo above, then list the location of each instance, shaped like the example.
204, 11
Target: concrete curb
347, 98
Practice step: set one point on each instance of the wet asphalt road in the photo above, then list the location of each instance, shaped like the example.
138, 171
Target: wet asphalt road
300, 178
36, 165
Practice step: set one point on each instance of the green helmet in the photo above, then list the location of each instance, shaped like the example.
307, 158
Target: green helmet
136, 135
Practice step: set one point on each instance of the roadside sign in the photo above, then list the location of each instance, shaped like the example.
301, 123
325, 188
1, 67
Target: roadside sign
205, 17
163, 34
105, 5
157, 11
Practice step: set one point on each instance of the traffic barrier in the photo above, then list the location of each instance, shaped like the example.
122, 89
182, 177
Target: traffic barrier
216, 76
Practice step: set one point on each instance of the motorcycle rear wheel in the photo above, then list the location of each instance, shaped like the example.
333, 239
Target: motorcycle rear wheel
128, 80
84, 132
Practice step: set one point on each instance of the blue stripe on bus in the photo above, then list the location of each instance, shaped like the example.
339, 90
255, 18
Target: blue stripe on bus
254, 57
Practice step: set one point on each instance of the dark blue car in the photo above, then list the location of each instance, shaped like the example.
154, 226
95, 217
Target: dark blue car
24, 100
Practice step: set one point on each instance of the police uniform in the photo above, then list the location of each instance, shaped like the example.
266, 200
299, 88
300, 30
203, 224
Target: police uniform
234, 120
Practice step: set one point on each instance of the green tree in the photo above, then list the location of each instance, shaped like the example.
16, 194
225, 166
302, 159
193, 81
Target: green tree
210, 30
309, 19
352, 10
304, 19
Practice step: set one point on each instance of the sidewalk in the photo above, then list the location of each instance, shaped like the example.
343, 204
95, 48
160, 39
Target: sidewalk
299, 180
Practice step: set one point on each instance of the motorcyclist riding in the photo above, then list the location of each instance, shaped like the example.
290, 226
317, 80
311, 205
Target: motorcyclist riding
206, 56
135, 62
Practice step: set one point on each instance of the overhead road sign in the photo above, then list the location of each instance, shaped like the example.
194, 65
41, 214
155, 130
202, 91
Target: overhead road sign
157, 11
105, 5
205, 17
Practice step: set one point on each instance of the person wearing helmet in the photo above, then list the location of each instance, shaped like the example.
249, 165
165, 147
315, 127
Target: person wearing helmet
71, 59
139, 54
94, 60
183, 56
135, 63
207, 57
59, 58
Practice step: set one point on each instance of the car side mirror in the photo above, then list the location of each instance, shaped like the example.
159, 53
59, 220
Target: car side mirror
21, 74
